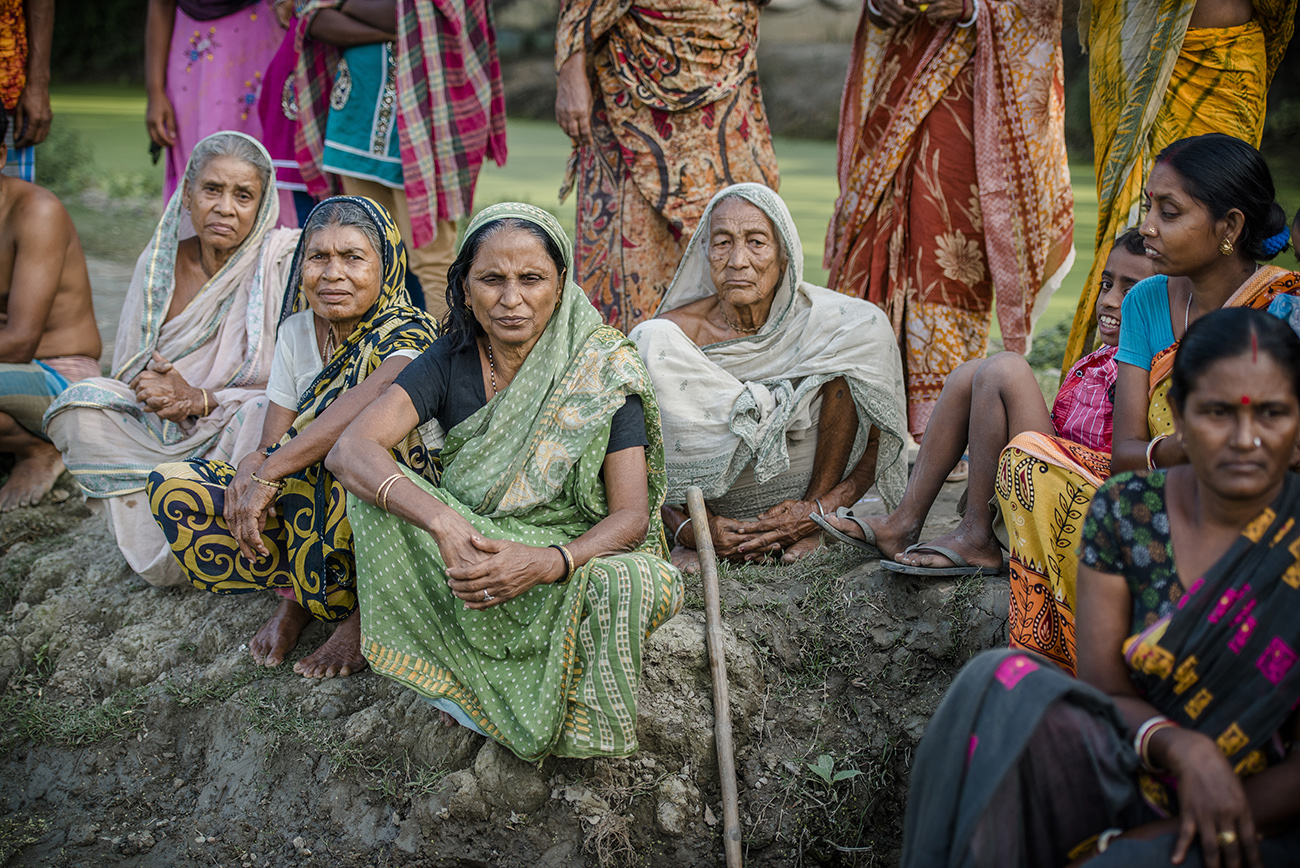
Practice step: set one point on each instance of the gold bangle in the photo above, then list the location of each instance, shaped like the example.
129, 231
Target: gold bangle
206, 411
381, 494
568, 564
277, 485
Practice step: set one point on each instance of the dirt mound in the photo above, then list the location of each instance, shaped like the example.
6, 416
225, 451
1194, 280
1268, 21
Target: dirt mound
134, 730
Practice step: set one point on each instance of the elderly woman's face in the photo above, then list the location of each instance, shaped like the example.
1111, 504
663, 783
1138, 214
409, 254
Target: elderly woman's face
341, 274
1239, 425
513, 287
223, 203
744, 254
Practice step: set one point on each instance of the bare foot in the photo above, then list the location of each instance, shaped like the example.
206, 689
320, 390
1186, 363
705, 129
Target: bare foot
32, 477
340, 655
977, 549
447, 720
686, 560
801, 549
890, 539
279, 635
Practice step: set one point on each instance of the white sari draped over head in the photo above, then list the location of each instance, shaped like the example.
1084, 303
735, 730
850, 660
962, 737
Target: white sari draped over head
222, 341
740, 417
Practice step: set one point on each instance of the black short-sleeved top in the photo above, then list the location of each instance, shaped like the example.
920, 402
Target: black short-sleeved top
1127, 533
447, 385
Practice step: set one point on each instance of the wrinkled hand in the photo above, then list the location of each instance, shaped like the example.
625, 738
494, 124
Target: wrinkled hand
896, 12
165, 392
729, 535
1211, 801
248, 505
779, 527
32, 115
160, 119
507, 570
945, 10
573, 100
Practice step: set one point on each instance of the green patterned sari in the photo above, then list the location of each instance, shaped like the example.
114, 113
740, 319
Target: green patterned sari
554, 670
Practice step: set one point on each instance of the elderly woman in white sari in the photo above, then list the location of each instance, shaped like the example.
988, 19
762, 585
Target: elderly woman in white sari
193, 350
779, 399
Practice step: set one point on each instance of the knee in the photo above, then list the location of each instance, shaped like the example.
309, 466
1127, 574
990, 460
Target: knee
1003, 368
963, 374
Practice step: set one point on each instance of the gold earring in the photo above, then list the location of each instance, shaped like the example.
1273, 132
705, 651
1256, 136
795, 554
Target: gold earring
1225, 247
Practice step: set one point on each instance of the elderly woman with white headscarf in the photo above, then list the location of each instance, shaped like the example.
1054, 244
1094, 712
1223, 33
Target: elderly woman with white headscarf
780, 399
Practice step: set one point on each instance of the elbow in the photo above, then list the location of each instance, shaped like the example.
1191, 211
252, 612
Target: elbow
335, 460
638, 528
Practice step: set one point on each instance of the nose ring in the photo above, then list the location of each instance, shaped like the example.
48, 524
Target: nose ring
1258, 443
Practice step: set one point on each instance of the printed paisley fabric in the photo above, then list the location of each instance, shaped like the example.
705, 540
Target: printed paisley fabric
1152, 82
954, 185
677, 116
554, 670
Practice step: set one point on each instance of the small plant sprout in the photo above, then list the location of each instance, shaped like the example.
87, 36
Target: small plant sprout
824, 769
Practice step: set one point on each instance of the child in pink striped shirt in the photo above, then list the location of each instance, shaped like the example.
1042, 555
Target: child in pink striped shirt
983, 405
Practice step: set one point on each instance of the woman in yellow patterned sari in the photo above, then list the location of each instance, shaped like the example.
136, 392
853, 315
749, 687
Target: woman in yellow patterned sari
277, 521
1212, 221
1163, 70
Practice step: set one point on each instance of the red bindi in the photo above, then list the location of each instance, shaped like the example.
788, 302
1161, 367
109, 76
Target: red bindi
1245, 399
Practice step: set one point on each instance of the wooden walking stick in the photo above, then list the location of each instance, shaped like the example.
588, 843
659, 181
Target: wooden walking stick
718, 665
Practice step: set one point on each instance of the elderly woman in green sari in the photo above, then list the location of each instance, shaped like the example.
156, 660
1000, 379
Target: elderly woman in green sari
276, 521
517, 595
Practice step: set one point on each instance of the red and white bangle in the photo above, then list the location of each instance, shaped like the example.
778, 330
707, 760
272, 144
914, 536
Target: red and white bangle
974, 12
1142, 738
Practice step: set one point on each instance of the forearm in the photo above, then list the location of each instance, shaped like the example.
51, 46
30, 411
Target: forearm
1274, 795
847, 491
616, 534
17, 345
379, 14
337, 28
40, 35
157, 44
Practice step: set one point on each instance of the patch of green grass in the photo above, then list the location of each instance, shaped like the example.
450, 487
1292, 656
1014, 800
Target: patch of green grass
39, 719
194, 692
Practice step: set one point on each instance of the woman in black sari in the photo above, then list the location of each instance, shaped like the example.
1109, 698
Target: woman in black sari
1175, 744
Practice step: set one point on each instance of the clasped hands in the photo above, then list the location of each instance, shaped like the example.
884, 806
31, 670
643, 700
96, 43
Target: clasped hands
164, 391
778, 528
485, 572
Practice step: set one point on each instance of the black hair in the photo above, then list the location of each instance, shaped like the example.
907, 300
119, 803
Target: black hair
1223, 172
1226, 334
1131, 240
459, 326
4, 125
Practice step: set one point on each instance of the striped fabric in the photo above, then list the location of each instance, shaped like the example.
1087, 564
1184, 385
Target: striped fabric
1154, 81
451, 110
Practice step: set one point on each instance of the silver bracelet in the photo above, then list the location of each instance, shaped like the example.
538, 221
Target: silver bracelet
677, 534
871, 7
820, 508
974, 12
1104, 839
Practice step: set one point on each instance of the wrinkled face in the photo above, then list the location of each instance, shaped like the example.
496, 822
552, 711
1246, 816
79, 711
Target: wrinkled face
342, 274
513, 287
223, 203
1181, 235
1123, 269
1234, 402
744, 253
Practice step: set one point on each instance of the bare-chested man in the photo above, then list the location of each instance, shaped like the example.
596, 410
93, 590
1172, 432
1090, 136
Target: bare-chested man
48, 336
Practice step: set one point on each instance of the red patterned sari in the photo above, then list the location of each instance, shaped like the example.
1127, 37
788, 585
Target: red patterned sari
946, 132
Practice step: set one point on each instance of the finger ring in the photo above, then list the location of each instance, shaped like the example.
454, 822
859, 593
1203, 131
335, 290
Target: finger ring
1226, 838
486, 596
923, 7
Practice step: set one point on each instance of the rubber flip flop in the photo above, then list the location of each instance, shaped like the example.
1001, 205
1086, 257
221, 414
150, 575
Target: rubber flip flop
960, 569
867, 545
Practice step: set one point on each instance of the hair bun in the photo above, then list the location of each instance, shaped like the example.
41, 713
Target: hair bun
1274, 244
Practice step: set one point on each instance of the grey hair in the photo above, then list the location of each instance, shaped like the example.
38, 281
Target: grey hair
341, 212
228, 145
